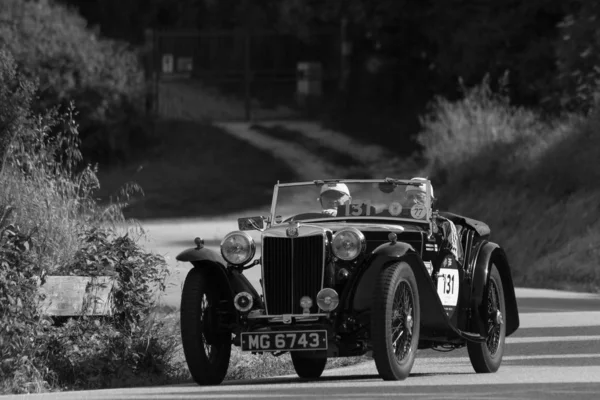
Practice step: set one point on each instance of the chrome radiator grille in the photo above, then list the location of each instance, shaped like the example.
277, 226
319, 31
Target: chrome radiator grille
292, 268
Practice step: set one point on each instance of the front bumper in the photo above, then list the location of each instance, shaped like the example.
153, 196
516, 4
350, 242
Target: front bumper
286, 319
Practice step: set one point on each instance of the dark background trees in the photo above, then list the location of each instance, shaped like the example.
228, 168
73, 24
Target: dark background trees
404, 51
450, 39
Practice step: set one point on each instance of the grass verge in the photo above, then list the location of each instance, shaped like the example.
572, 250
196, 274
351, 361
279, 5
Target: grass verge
534, 181
51, 225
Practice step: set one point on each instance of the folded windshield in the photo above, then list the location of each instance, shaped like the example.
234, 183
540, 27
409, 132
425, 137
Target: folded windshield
353, 199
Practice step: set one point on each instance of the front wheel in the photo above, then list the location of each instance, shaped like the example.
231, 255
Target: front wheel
486, 357
308, 367
207, 349
395, 321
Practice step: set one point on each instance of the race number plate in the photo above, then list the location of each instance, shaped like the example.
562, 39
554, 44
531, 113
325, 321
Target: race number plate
282, 341
448, 285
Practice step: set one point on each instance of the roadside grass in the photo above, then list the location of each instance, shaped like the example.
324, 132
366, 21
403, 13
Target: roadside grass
196, 170
534, 181
248, 366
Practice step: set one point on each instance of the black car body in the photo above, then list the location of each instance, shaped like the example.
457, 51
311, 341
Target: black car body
361, 282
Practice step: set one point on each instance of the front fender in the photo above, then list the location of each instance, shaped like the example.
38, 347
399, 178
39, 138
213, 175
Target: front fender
202, 254
214, 263
488, 254
434, 321
362, 289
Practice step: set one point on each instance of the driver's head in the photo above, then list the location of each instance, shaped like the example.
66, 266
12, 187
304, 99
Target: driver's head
334, 195
417, 194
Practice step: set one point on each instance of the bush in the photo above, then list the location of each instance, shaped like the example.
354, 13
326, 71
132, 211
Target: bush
578, 58
53, 46
51, 224
482, 136
532, 180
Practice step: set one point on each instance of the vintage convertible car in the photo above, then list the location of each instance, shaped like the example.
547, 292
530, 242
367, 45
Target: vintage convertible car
368, 279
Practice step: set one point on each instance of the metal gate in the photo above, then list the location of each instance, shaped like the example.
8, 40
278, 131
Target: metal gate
240, 75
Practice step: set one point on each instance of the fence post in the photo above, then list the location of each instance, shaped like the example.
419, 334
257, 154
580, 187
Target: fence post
148, 59
247, 76
345, 52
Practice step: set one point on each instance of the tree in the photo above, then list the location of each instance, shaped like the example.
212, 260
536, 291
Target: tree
578, 57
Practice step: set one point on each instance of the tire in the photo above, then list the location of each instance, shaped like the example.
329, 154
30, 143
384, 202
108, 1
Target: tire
207, 354
486, 357
308, 368
395, 299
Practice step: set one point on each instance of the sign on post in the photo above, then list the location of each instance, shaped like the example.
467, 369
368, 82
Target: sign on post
167, 63
185, 64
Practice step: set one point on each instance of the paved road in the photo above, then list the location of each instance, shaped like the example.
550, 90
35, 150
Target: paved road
554, 355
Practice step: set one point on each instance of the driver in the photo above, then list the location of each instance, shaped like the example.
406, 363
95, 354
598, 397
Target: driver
449, 234
332, 196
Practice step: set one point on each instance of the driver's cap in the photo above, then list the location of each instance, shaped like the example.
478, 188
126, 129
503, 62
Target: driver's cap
420, 188
338, 187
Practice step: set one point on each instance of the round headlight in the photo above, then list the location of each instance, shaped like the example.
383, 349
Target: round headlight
238, 248
348, 243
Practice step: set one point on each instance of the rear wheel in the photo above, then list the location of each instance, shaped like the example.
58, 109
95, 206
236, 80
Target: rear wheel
486, 357
308, 367
395, 322
207, 350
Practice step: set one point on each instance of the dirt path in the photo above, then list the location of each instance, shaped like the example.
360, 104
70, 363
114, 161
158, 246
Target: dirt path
366, 153
307, 165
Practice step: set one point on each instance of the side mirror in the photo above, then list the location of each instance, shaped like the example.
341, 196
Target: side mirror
251, 223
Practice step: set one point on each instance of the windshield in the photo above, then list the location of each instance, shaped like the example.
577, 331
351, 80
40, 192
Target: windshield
352, 199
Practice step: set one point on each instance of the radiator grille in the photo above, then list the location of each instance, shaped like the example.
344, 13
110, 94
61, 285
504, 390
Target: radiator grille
292, 268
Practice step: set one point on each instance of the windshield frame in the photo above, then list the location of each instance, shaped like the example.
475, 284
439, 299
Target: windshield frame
426, 221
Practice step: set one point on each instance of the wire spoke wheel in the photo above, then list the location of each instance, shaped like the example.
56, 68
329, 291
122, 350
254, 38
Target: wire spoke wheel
395, 321
494, 324
402, 320
486, 357
206, 345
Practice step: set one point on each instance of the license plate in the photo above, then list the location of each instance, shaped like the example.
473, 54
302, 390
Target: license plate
281, 341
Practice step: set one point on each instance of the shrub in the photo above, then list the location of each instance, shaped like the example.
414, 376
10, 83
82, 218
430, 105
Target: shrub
50, 224
532, 180
578, 58
53, 46
482, 137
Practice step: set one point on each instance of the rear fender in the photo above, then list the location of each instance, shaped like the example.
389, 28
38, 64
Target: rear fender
488, 254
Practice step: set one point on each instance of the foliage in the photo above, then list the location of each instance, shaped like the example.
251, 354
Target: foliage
20, 326
481, 127
532, 180
51, 224
140, 274
578, 58
53, 46
15, 96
